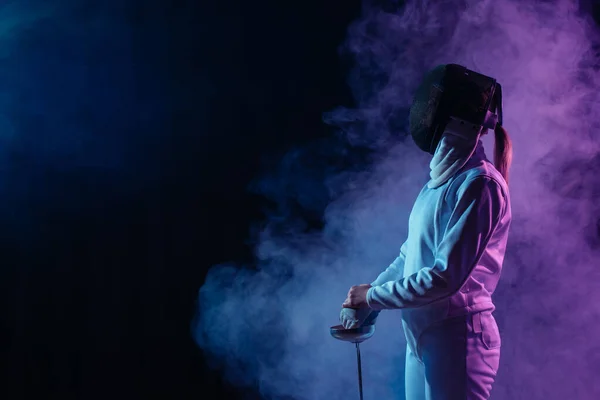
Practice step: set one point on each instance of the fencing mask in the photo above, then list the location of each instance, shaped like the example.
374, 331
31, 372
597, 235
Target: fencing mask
453, 94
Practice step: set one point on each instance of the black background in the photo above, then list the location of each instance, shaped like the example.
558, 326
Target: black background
98, 303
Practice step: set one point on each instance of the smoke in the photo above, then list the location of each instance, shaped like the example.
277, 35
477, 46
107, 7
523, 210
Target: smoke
267, 325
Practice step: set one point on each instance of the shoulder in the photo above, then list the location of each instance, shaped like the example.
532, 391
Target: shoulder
480, 180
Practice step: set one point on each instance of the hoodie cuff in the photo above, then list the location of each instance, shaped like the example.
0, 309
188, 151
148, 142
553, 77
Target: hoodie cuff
372, 305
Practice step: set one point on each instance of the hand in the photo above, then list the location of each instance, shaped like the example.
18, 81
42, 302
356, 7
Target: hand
352, 318
357, 297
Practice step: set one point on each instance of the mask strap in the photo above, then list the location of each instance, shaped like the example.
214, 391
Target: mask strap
490, 120
499, 102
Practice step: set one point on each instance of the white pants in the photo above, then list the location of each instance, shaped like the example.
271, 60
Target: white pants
455, 360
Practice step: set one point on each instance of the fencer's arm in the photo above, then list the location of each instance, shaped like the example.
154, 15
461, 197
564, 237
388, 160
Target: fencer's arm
480, 203
394, 271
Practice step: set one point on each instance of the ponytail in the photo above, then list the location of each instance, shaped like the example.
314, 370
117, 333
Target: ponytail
502, 151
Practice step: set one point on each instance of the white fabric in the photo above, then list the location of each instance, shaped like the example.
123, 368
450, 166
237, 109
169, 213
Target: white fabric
457, 360
451, 261
452, 153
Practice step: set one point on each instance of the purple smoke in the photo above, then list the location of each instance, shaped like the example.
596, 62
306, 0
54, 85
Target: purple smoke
269, 324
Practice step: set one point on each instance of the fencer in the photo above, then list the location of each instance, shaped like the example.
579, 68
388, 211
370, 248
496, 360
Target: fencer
450, 264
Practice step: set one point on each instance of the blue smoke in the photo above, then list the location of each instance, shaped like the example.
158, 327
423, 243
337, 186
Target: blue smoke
81, 107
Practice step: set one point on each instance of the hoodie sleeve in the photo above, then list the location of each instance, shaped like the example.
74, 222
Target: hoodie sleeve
477, 211
394, 271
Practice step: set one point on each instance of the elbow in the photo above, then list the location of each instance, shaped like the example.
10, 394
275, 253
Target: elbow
446, 286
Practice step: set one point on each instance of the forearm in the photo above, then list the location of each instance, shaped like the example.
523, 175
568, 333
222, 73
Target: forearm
417, 290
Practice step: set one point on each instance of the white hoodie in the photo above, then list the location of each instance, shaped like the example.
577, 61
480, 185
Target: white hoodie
451, 261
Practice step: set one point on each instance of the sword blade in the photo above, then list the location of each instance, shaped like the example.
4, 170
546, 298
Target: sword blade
360, 389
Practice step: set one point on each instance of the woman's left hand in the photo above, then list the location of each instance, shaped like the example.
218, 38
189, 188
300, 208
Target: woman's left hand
357, 297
